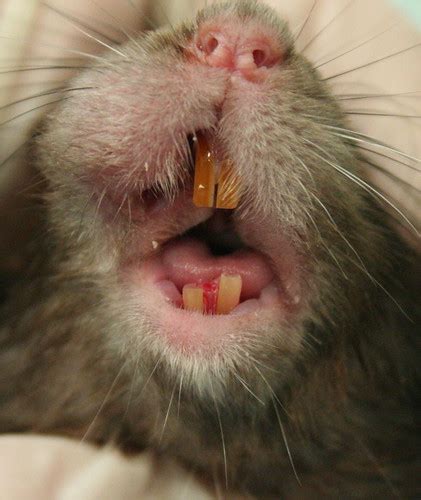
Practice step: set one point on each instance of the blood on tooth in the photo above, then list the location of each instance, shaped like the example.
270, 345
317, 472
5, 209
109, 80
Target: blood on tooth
219, 296
210, 296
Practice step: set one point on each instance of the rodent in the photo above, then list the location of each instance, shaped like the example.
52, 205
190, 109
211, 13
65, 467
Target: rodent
308, 391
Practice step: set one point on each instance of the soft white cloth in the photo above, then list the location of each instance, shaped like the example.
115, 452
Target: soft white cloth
52, 468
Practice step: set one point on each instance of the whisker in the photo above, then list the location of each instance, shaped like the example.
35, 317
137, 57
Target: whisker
382, 155
319, 65
86, 55
335, 226
390, 174
371, 113
326, 246
375, 144
383, 289
41, 68
306, 21
224, 451
40, 57
104, 402
82, 215
284, 437
120, 207
273, 394
247, 388
119, 24
69, 17
179, 394
129, 207
56, 90
134, 378
100, 42
358, 137
14, 152
149, 377
249, 356
310, 196
385, 58
29, 188
98, 206
20, 115
327, 25
366, 186
351, 97
168, 413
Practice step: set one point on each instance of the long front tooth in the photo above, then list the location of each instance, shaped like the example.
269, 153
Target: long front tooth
228, 195
229, 293
193, 298
204, 174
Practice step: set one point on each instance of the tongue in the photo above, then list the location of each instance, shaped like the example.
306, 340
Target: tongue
188, 260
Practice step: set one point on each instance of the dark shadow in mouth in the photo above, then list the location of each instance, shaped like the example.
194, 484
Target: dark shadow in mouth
218, 233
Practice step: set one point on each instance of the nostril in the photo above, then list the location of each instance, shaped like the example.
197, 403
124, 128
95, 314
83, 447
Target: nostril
208, 45
259, 57
212, 44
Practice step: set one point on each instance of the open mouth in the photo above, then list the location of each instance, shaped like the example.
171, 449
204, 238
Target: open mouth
210, 270
214, 270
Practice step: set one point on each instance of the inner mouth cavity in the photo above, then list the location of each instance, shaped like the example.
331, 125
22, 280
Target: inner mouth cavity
210, 270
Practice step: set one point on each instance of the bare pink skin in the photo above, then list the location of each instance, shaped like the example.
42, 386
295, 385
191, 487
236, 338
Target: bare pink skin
157, 284
192, 333
248, 52
190, 261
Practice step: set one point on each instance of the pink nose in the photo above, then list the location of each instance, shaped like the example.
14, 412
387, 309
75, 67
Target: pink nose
247, 53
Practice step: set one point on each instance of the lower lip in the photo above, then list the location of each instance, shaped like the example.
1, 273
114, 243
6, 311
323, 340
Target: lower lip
191, 332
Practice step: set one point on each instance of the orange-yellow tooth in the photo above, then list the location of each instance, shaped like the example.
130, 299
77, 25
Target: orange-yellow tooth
229, 293
204, 174
228, 187
193, 298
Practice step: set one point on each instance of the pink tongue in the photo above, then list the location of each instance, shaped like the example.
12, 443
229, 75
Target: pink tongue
189, 261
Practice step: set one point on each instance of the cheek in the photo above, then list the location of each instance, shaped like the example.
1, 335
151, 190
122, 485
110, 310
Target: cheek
133, 130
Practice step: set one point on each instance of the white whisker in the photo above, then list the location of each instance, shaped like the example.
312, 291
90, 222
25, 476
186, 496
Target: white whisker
284, 437
367, 187
106, 398
168, 413
247, 388
224, 451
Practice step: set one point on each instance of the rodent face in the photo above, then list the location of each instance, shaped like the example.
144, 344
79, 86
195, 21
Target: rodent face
118, 156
